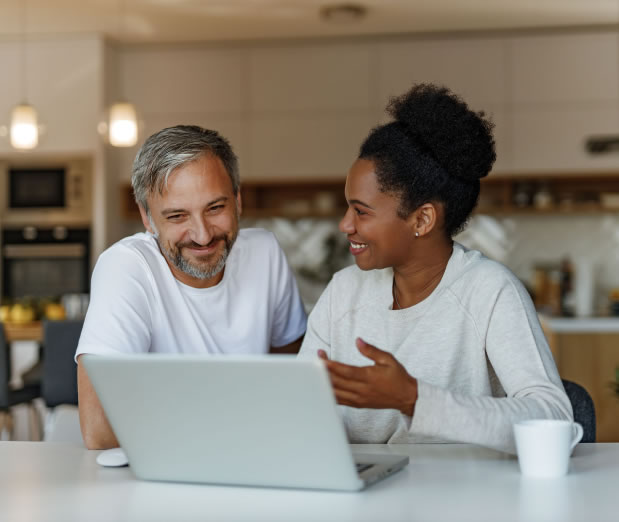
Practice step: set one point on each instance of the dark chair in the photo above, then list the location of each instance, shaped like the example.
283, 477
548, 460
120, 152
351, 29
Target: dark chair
10, 397
584, 409
59, 376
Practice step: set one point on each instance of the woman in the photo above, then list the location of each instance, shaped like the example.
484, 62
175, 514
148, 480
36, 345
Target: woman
424, 340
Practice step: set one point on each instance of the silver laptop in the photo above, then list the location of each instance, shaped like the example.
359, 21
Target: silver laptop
254, 421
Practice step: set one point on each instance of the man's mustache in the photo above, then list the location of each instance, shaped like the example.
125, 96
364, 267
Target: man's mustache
193, 244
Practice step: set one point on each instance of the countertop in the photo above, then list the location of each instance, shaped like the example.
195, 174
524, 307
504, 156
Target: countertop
582, 324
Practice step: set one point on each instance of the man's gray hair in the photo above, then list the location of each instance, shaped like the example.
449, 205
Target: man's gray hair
173, 147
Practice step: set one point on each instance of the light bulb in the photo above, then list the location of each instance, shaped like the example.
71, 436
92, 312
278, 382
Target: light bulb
24, 129
123, 127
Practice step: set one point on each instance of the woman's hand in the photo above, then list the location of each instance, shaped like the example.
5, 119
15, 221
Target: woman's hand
385, 384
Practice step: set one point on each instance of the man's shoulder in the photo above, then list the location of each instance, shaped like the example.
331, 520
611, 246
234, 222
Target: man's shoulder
256, 243
255, 237
139, 249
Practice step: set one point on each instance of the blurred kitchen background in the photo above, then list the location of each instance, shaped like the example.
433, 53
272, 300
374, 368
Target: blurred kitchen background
296, 86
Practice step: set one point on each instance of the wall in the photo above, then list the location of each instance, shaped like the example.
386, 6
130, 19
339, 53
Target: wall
301, 108
63, 78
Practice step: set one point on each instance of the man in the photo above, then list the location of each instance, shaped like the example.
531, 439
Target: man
193, 283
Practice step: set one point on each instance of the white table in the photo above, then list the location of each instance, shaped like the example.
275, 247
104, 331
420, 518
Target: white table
47, 482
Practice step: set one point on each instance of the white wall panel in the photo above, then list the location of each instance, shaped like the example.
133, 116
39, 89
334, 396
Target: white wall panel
553, 137
502, 136
63, 82
305, 78
182, 80
474, 68
65, 87
11, 89
565, 68
306, 147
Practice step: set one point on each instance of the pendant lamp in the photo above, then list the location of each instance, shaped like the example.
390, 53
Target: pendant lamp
122, 125
24, 125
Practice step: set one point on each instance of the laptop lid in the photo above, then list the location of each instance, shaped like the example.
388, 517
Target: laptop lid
244, 420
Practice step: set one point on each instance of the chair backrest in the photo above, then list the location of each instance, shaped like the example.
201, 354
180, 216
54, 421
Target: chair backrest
5, 370
59, 380
584, 409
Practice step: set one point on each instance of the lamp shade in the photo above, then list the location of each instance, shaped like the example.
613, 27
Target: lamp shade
24, 128
123, 125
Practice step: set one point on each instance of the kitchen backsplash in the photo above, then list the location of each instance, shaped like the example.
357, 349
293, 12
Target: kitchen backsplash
315, 248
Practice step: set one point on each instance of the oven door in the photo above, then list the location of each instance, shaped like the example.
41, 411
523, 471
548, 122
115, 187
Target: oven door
44, 270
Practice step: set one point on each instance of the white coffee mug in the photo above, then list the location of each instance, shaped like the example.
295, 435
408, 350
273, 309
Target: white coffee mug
544, 446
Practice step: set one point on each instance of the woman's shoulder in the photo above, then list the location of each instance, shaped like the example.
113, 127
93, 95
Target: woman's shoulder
479, 275
354, 287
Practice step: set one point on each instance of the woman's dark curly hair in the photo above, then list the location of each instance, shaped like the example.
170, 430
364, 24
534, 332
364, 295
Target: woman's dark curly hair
435, 150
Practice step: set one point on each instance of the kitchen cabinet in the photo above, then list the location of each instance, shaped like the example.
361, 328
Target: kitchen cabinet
587, 352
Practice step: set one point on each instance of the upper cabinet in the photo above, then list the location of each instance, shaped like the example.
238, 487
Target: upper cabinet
563, 88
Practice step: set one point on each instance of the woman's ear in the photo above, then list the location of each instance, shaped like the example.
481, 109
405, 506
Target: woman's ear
424, 219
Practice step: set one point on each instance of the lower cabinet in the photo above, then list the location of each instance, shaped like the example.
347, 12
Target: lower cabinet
590, 359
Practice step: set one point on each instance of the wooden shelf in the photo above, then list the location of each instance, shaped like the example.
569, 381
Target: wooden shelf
32, 331
294, 198
549, 194
291, 199
501, 194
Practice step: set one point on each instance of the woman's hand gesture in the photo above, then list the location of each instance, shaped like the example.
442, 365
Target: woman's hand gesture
384, 385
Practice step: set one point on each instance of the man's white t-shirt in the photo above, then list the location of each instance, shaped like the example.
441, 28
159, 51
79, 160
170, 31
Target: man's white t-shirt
137, 305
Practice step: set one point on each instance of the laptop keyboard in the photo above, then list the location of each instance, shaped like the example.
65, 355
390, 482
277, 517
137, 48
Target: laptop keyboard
362, 467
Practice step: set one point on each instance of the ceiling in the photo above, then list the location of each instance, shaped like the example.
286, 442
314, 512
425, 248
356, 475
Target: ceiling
216, 20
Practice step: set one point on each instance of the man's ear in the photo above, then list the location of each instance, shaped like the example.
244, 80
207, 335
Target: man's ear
424, 219
145, 220
239, 202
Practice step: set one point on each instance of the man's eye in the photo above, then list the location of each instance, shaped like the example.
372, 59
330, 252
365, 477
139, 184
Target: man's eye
215, 208
174, 217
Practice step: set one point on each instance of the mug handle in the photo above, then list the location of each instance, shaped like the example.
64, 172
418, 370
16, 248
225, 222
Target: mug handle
579, 434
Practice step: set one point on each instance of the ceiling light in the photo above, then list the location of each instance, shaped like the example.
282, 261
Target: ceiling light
343, 13
123, 125
24, 128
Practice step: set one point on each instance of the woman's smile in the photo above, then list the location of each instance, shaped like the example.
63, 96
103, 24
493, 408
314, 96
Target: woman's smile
357, 248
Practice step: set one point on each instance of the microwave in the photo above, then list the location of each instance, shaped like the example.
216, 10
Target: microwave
45, 192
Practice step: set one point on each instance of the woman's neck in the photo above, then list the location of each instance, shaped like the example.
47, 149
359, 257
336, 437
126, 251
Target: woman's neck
416, 280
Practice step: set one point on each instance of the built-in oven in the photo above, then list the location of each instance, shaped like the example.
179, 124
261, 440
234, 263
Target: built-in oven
45, 262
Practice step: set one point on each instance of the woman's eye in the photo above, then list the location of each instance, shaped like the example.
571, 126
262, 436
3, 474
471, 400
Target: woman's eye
359, 212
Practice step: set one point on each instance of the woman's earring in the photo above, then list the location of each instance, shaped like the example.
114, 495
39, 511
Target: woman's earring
416, 234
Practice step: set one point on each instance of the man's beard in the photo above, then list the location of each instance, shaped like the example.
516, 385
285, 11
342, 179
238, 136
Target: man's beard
199, 272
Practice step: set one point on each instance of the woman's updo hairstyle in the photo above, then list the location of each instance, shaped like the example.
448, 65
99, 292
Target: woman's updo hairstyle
436, 149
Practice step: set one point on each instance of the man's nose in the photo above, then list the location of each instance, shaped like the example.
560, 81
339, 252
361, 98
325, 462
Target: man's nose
201, 231
346, 224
